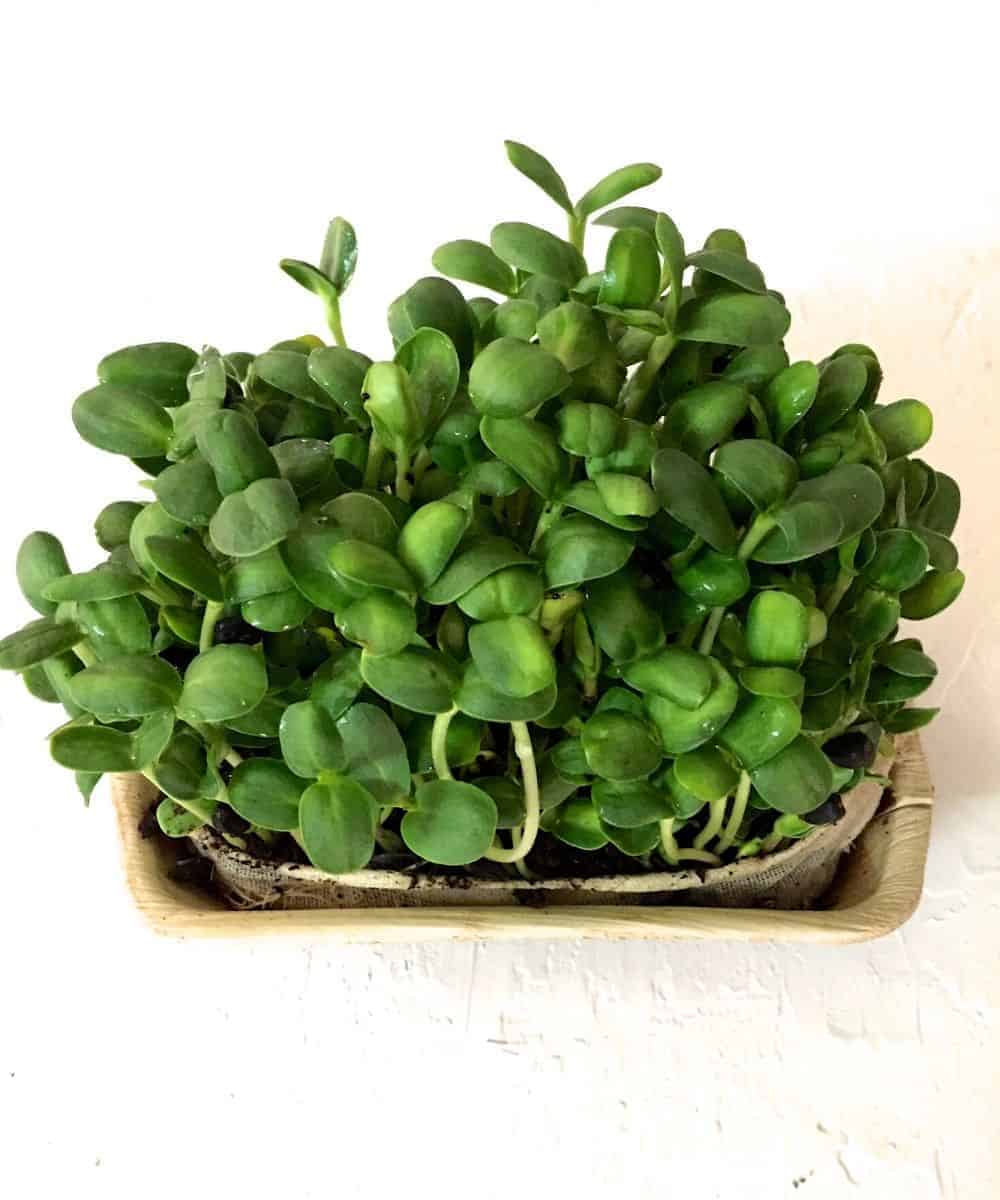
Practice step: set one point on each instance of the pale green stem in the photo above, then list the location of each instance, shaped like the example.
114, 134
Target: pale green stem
637, 386
771, 842
213, 612
197, 808
439, 743
532, 800
839, 590
334, 321
422, 461
711, 629
376, 456
84, 653
716, 815
404, 489
675, 855
577, 231
736, 814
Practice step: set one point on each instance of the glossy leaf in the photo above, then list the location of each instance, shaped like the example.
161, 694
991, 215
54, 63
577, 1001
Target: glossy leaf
689, 495
761, 471
733, 318
266, 793
453, 823
796, 780
417, 679
310, 741
777, 629
932, 595
511, 378
128, 686
337, 824
682, 728
578, 549
37, 641
122, 421
41, 560
703, 417
222, 683
616, 185
760, 728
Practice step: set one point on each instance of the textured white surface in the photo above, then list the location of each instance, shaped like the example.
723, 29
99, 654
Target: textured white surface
162, 166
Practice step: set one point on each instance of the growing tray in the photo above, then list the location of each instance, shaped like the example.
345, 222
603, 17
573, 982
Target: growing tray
876, 889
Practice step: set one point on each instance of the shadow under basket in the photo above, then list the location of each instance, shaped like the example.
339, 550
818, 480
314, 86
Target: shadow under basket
868, 891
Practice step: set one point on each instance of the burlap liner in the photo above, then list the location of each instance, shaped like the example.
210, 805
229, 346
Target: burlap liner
793, 878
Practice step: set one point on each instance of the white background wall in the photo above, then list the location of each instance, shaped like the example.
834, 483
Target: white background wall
160, 159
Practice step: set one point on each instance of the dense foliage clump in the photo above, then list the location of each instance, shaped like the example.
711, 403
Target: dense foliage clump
592, 562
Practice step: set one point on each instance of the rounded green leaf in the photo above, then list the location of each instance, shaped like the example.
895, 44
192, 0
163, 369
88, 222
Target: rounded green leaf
436, 304
624, 624
264, 792
474, 262
122, 421
577, 823
234, 449
153, 521
796, 780
187, 491
680, 675
756, 366
842, 383
41, 560
789, 396
511, 377
339, 374
188, 563
631, 270
904, 426
118, 626
940, 511
620, 747
630, 805
681, 728
704, 417
381, 623
529, 448
260, 516
370, 566
901, 558
432, 367
713, 579
476, 697
588, 430
479, 560
513, 591
905, 658
760, 728
310, 741
452, 824
689, 495
337, 682
727, 265
340, 253
429, 538
307, 463
705, 774
777, 629
157, 369
733, 318
513, 654
223, 682
777, 682
574, 333
626, 495
578, 549
92, 748
337, 824
932, 595
375, 754
416, 678
823, 512
37, 641
111, 528
763, 472
536, 250
127, 686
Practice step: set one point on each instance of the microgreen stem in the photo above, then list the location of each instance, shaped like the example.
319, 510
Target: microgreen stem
771, 842
439, 743
668, 843
762, 525
711, 629
532, 799
548, 516
334, 321
213, 611
841, 587
716, 815
84, 653
637, 386
577, 231
376, 456
736, 814
421, 462
404, 489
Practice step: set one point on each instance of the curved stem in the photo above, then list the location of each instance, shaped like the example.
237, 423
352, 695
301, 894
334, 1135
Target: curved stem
334, 321
637, 386
404, 490
761, 526
213, 612
376, 456
668, 843
736, 814
716, 815
711, 629
532, 800
577, 231
439, 744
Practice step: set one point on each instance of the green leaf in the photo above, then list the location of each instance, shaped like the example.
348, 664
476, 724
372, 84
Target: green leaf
365, 518
630, 805
187, 491
337, 822
940, 512
932, 595
264, 792
92, 748
476, 697
513, 591
703, 417
417, 679
631, 270
574, 333
536, 250
683, 729
436, 303
175, 821
41, 560
188, 563
127, 686
122, 421
381, 623
157, 369
623, 623
900, 560
713, 579
222, 683
620, 747
253, 520
904, 427
763, 472
429, 539
370, 566
118, 626
796, 780
340, 253
431, 363
375, 754
789, 396
585, 497
629, 217
36, 642
823, 512
541, 172
452, 824
616, 185
235, 450
734, 268
756, 366
529, 448
336, 684
511, 378
732, 318
578, 549
339, 374
777, 629
760, 728
689, 495
577, 823
678, 674
776, 682
310, 741
113, 523
151, 738
705, 774
842, 383
474, 262
479, 560
909, 719
513, 654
